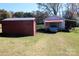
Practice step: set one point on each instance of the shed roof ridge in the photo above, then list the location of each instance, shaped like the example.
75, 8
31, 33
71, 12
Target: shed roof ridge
12, 19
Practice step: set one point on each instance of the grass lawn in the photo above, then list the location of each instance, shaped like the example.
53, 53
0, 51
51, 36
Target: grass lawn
61, 43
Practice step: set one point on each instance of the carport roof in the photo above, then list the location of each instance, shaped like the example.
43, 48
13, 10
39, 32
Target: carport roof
54, 18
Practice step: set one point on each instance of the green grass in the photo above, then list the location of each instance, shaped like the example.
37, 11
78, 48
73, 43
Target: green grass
61, 43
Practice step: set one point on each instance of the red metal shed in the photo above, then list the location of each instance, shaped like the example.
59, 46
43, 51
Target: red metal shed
19, 26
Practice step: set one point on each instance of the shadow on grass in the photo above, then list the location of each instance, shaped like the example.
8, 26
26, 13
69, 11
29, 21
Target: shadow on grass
12, 35
49, 32
39, 30
44, 31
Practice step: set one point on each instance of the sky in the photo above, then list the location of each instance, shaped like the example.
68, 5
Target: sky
25, 7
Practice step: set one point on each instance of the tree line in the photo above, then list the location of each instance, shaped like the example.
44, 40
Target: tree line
68, 11
39, 15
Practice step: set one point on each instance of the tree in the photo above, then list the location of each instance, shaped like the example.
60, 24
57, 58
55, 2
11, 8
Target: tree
40, 16
51, 8
26, 14
4, 14
18, 14
71, 10
68, 15
12, 13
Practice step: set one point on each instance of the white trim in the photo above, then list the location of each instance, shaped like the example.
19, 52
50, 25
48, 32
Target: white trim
17, 19
53, 21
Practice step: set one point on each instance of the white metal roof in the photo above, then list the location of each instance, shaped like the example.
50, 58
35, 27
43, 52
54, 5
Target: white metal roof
54, 18
17, 19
